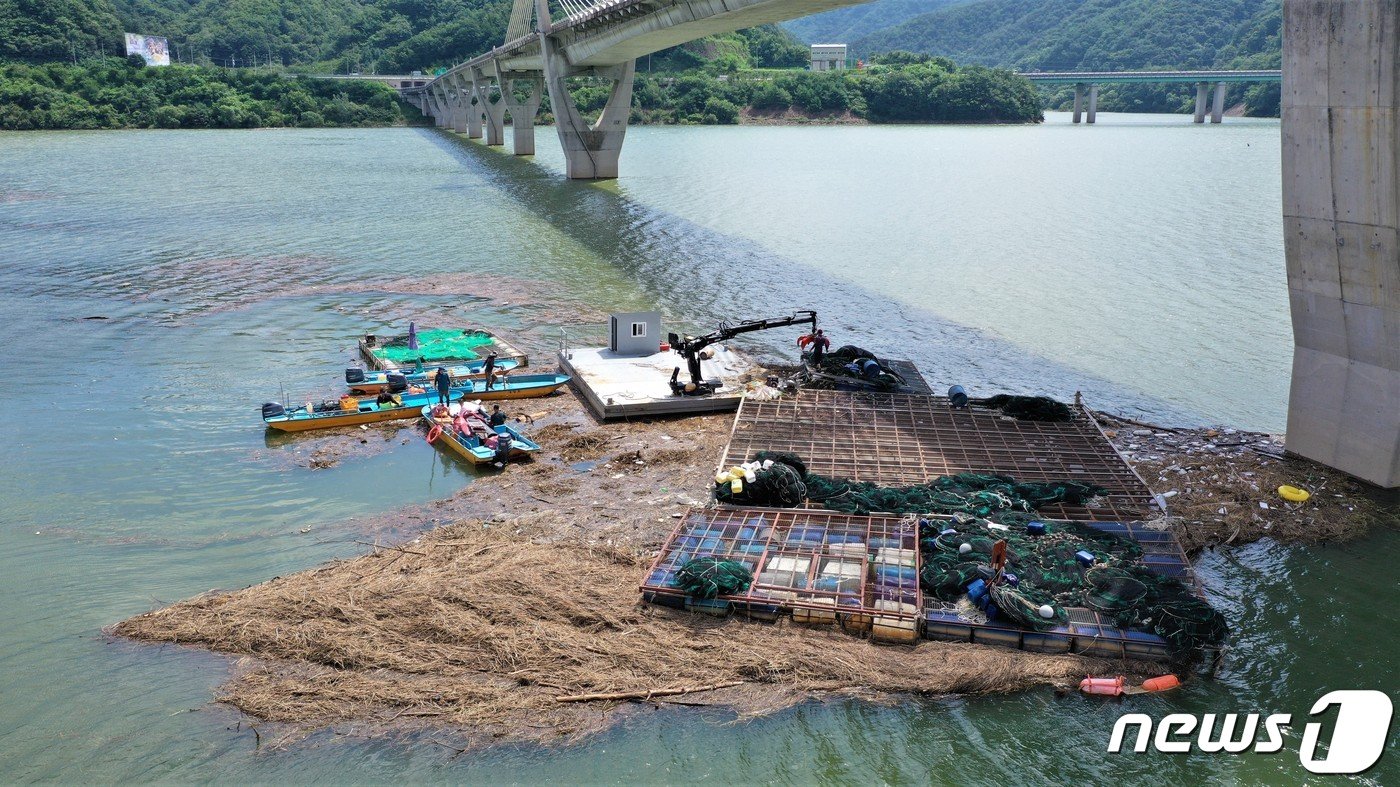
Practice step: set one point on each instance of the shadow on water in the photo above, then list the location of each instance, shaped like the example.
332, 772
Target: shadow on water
695, 273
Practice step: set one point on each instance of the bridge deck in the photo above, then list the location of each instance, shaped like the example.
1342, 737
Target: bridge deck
1143, 77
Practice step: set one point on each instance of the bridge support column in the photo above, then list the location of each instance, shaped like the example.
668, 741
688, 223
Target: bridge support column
1093, 104
1078, 102
423, 105
461, 104
1341, 218
1201, 89
522, 111
474, 102
1217, 110
442, 110
495, 112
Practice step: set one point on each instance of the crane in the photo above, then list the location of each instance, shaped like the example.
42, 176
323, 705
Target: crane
692, 349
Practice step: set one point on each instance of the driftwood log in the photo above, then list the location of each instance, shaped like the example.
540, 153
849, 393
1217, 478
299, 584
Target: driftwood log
645, 694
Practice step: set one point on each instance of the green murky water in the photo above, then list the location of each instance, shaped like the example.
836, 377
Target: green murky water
1139, 261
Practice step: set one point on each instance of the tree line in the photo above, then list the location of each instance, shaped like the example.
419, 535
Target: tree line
107, 93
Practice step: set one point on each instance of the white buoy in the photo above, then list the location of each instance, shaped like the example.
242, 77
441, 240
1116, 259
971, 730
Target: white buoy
1047, 611
964, 549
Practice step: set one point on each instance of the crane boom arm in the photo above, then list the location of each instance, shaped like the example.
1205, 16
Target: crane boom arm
689, 347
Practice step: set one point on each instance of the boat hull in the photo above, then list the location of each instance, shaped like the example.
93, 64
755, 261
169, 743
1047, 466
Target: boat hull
478, 454
376, 382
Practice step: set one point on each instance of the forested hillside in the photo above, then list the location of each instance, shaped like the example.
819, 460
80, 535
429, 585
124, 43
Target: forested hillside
1071, 35
1087, 35
845, 25
58, 29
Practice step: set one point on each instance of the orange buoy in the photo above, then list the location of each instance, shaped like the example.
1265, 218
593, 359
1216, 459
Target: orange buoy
434, 433
1110, 687
1162, 683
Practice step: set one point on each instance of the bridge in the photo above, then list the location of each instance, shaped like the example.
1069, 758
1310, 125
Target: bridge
597, 38
1087, 82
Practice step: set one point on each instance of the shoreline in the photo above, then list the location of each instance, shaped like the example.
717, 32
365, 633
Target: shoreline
521, 588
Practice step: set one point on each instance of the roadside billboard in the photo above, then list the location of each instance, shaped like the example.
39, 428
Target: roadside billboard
153, 49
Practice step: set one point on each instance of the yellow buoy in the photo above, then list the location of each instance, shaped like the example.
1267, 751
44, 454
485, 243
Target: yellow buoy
1293, 494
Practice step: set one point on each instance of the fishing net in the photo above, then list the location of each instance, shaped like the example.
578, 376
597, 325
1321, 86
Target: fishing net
1049, 571
850, 362
1028, 408
435, 344
777, 486
972, 494
711, 577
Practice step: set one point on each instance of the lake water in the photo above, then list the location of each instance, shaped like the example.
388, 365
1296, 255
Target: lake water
1139, 261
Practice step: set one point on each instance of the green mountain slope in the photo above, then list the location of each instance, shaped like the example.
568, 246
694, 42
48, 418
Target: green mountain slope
1070, 35
844, 25
58, 29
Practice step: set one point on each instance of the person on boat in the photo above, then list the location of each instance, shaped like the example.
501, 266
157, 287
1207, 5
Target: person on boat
490, 369
498, 418
443, 381
387, 399
818, 343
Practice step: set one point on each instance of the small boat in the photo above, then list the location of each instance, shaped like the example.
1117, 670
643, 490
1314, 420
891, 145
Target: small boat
441, 432
348, 411
362, 381
513, 386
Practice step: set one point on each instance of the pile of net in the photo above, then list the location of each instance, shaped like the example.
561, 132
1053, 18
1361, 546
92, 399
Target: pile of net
435, 343
1046, 572
861, 367
711, 577
1028, 408
782, 480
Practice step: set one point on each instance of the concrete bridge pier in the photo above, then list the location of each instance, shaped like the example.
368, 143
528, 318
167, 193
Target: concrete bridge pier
1341, 211
1201, 90
591, 152
474, 111
461, 104
1093, 104
1078, 102
522, 110
495, 111
439, 107
1217, 110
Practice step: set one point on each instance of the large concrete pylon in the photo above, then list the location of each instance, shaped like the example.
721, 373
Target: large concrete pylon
1202, 90
590, 152
1217, 107
1341, 206
1078, 102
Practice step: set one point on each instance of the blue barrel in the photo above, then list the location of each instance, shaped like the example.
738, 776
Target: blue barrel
869, 368
957, 397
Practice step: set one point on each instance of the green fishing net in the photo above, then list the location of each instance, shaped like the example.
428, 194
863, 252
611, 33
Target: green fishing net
1028, 408
965, 493
434, 344
711, 577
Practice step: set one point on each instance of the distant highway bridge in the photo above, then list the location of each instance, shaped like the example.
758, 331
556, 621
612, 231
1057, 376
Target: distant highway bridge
1087, 82
600, 38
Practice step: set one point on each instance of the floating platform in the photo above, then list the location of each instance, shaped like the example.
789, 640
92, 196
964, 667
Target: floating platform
900, 440
376, 350
861, 573
630, 386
